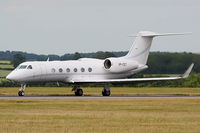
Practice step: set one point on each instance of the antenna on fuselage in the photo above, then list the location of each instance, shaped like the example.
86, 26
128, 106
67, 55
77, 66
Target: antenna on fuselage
48, 59
58, 84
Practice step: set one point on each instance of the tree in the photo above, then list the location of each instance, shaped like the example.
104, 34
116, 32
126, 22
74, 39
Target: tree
18, 59
103, 55
76, 56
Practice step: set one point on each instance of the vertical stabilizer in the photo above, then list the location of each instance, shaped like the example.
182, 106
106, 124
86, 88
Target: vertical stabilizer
140, 47
142, 44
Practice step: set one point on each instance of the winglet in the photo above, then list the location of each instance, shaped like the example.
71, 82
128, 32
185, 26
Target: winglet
187, 72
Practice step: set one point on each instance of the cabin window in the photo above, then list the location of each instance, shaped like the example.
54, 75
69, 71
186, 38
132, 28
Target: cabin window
23, 67
82, 69
60, 70
75, 69
89, 69
68, 70
53, 70
29, 67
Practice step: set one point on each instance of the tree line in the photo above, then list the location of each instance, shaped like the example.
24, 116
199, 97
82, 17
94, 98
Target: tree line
158, 62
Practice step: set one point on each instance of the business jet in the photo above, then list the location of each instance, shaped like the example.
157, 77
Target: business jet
93, 71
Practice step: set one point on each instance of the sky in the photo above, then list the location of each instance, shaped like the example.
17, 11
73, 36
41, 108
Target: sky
68, 26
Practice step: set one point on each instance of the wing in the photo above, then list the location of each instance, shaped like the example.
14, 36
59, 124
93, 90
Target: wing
132, 80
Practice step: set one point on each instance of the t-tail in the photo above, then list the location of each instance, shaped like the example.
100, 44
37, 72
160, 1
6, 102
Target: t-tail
140, 48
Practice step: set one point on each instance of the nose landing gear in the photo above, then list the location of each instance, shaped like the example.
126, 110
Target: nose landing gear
21, 90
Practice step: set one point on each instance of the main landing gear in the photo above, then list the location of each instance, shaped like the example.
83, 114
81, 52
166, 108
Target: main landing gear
106, 90
21, 90
77, 90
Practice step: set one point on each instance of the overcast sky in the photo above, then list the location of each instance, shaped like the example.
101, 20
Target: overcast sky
68, 26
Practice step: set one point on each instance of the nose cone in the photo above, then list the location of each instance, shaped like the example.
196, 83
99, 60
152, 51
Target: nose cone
11, 77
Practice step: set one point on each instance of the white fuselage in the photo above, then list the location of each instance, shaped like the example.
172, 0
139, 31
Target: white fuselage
68, 71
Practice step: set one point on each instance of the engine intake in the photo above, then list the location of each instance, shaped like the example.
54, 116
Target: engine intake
107, 64
118, 65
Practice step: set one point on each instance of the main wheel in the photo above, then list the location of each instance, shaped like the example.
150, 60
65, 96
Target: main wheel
21, 93
106, 92
79, 92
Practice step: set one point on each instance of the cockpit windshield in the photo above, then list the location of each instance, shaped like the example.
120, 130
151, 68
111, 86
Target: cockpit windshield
22, 67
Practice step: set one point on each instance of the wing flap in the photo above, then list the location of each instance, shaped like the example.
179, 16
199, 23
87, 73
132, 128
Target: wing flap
132, 80
129, 80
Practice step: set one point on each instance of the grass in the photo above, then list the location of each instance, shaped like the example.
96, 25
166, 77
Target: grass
97, 91
4, 73
6, 66
5, 62
173, 115
97, 116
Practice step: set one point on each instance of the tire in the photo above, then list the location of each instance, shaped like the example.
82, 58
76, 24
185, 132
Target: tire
21, 93
79, 92
106, 92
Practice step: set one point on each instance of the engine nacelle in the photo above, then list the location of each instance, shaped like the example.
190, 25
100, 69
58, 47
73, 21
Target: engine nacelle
118, 65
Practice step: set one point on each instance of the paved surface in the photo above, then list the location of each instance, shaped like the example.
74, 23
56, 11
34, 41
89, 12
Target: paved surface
89, 97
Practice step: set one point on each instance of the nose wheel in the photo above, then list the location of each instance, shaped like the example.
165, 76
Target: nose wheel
21, 93
21, 90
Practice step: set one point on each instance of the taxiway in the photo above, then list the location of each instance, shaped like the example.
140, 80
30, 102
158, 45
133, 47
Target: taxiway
91, 97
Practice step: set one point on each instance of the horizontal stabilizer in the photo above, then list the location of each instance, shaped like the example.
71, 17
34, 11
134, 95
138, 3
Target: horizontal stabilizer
154, 34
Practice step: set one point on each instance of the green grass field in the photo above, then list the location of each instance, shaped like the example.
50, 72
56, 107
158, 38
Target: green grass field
97, 116
4, 73
5, 61
97, 91
5, 65
169, 115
